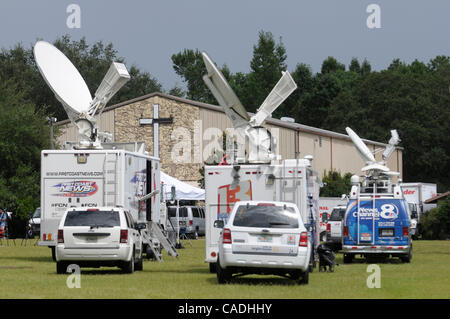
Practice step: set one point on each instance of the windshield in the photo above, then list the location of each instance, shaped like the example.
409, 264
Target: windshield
266, 216
96, 218
337, 214
37, 213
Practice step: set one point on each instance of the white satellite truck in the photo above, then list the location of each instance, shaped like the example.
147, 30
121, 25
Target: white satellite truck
416, 194
93, 173
260, 175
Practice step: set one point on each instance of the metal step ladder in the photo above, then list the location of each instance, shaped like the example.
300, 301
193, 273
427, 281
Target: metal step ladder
110, 180
166, 244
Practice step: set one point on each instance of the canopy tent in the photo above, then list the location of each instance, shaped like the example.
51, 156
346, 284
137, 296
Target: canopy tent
184, 191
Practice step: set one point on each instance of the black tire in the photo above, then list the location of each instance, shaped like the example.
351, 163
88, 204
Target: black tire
139, 265
295, 275
407, 258
312, 262
223, 275
348, 258
305, 278
212, 268
53, 248
61, 267
128, 266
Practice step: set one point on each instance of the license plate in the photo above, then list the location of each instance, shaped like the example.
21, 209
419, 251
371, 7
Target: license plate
91, 239
265, 238
182, 223
366, 236
389, 232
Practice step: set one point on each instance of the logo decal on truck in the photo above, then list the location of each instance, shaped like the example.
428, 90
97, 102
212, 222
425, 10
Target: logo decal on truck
227, 196
76, 189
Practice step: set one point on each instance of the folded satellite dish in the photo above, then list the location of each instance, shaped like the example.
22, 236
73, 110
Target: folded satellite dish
71, 90
260, 150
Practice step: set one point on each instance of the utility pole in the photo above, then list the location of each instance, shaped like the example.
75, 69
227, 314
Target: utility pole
51, 121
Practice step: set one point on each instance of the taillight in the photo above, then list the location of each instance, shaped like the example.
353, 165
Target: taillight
303, 239
345, 231
191, 222
60, 236
405, 231
266, 204
226, 236
44, 237
123, 236
328, 228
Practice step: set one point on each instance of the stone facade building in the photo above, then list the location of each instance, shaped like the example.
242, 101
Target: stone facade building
185, 143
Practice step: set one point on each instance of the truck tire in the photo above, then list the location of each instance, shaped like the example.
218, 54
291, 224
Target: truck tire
212, 268
61, 267
53, 248
348, 258
139, 265
407, 258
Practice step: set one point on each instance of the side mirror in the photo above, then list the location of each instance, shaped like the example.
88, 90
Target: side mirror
140, 226
219, 223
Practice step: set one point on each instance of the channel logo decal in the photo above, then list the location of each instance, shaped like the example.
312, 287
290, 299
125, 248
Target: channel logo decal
389, 211
76, 189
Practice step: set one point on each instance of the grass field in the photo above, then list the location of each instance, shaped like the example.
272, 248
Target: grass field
28, 272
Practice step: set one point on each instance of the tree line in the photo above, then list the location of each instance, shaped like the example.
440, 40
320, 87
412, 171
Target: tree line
413, 98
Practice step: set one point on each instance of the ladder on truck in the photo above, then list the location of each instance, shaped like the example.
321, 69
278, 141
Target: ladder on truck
110, 179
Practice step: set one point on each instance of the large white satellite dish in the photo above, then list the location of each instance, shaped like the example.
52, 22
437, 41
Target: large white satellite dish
362, 148
63, 79
372, 166
71, 90
261, 142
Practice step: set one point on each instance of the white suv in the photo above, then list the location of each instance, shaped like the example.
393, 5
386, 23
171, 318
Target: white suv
263, 238
98, 237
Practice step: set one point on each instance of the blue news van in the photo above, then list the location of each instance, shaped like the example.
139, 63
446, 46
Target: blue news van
377, 225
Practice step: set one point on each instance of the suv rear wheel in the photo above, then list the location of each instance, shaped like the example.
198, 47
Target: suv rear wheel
223, 275
61, 267
128, 266
139, 264
305, 278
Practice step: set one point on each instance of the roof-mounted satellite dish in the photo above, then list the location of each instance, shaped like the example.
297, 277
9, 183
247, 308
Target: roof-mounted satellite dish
372, 166
71, 90
260, 139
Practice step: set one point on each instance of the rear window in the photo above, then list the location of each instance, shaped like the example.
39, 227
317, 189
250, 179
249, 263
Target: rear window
195, 212
266, 216
337, 215
173, 212
99, 218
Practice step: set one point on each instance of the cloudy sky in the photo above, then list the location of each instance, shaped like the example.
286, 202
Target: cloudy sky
147, 33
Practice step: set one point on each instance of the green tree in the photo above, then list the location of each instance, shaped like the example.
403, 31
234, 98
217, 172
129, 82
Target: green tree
23, 134
92, 61
435, 224
335, 184
331, 65
354, 66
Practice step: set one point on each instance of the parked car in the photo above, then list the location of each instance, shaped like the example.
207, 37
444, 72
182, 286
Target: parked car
263, 238
191, 218
334, 227
35, 222
98, 237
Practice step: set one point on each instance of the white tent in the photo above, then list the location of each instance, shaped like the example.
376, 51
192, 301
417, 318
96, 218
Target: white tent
184, 191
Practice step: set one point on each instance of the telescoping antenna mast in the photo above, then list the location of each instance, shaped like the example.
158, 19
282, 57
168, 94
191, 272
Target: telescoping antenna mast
71, 90
260, 140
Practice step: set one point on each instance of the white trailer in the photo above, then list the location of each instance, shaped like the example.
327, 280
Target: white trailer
416, 194
289, 181
99, 178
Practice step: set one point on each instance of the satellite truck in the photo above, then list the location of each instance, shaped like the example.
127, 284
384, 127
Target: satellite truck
253, 171
95, 172
377, 217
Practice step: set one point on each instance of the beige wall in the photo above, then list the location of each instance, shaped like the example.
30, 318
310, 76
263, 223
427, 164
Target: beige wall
328, 152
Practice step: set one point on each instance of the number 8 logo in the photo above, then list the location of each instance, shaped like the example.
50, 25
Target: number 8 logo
388, 211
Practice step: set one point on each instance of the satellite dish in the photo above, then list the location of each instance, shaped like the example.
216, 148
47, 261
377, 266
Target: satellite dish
362, 148
374, 168
63, 79
71, 90
260, 139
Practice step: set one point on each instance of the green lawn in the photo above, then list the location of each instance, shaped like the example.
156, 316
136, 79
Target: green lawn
28, 272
